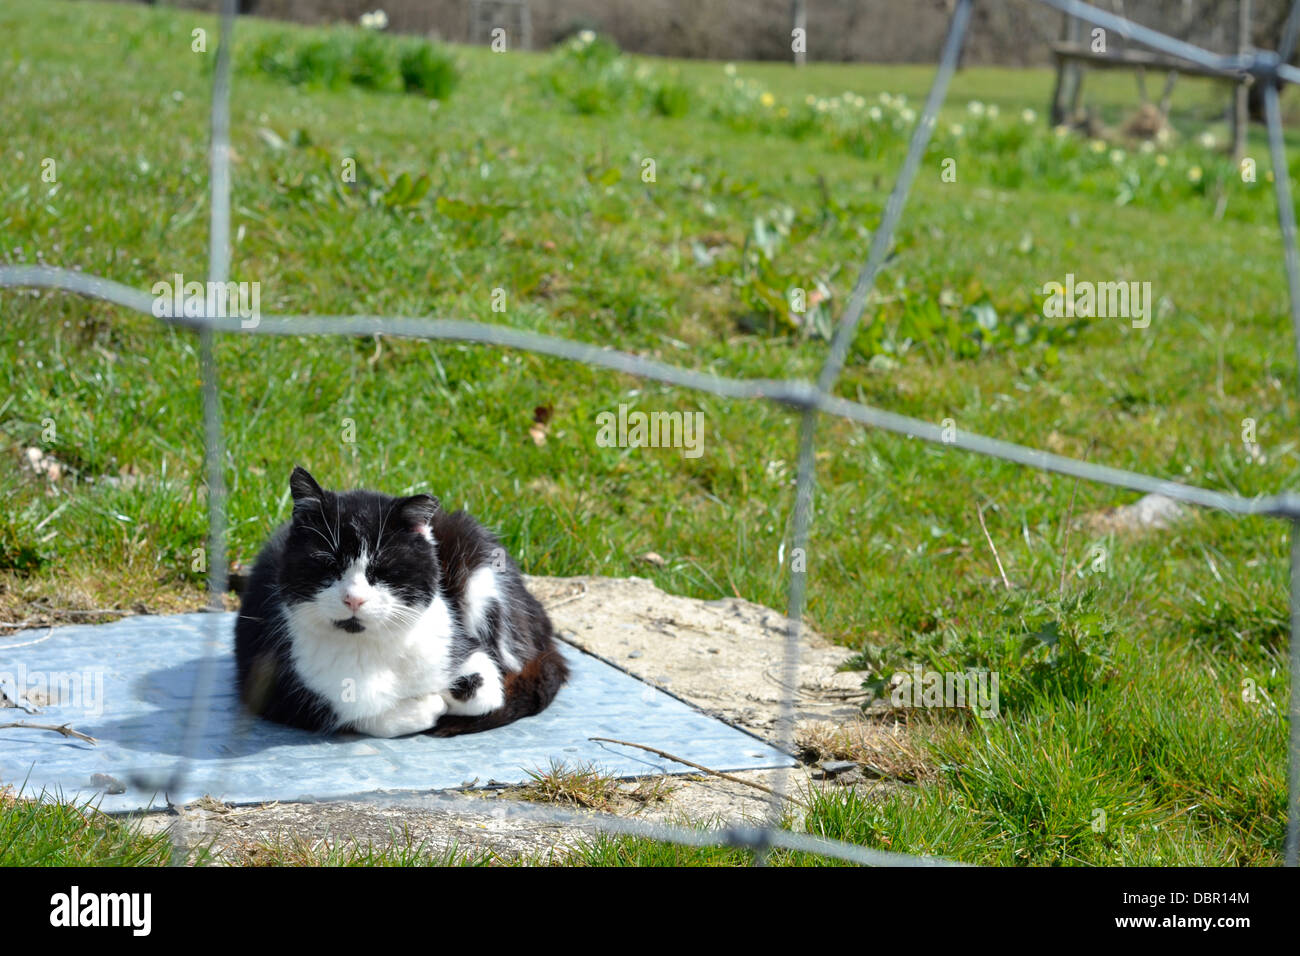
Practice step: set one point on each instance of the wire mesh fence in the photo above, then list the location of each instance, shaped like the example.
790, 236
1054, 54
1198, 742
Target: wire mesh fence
812, 399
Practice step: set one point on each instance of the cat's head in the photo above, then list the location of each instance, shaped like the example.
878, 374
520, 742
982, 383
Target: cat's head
357, 562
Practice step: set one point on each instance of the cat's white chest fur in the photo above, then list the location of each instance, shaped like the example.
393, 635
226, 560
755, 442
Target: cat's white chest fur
384, 681
394, 676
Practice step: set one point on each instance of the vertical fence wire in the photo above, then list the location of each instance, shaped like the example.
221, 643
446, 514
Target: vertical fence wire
884, 235
214, 439
806, 477
1291, 259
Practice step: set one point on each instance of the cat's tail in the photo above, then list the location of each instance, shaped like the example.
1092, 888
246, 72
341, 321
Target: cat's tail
528, 692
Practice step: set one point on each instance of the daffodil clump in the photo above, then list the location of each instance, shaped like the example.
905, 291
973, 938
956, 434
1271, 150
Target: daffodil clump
590, 74
1011, 149
865, 125
1004, 148
1160, 172
344, 56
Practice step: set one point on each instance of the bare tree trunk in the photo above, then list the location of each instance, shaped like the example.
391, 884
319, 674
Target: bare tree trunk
799, 31
1241, 93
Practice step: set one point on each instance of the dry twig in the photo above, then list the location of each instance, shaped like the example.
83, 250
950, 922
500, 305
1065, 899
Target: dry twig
701, 768
58, 729
979, 509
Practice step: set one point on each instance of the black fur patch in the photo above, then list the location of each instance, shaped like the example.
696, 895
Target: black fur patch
463, 688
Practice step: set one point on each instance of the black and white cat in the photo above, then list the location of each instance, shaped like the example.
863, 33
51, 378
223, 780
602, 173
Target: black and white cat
390, 616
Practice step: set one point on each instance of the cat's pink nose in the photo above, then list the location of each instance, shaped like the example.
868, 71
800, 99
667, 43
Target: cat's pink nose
354, 602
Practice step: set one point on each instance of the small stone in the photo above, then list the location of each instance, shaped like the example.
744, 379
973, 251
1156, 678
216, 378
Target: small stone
106, 783
1150, 511
833, 768
634, 654
271, 138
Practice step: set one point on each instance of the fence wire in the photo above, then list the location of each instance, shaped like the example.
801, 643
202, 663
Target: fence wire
812, 399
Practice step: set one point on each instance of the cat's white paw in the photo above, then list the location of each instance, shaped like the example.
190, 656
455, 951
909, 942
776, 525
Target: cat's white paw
478, 688
436, 705
426, 710
409, 716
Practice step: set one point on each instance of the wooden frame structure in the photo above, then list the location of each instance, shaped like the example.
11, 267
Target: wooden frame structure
1073, 55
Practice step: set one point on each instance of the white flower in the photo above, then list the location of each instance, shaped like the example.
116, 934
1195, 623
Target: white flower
1206, 140
1194, 174
956, 129
993, 111
907, 115
1061, 131
875, 114
729, 69
1147, 146
1117, 156
587, 36
975, 107
1162, 160
1029, 116
375, 20
1097, 145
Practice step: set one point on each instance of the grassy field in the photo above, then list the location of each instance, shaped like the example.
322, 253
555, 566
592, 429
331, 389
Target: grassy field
1123, 679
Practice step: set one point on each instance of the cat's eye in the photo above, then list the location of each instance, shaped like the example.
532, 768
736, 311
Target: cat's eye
324, 560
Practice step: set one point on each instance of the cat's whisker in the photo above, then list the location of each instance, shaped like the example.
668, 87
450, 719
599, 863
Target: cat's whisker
322, 536
379, 539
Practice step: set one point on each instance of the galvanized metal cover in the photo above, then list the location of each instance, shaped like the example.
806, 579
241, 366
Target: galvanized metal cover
130, 685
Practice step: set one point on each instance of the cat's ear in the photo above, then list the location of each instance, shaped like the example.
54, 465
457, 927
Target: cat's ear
306, 492
417, 511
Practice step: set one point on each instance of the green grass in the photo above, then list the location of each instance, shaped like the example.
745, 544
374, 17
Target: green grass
361, 58
403, 851
55, 833
521, 180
